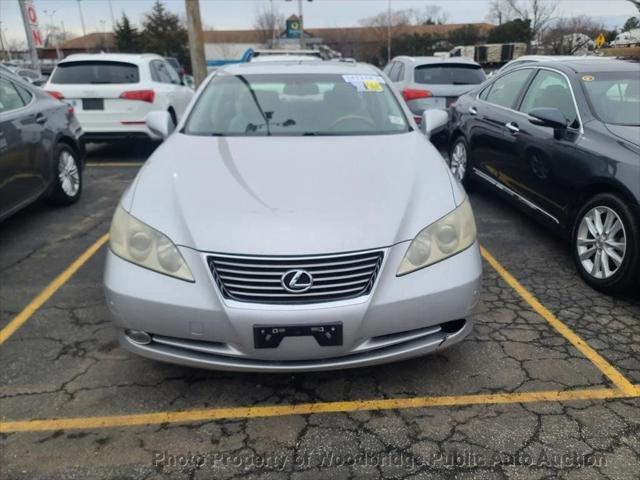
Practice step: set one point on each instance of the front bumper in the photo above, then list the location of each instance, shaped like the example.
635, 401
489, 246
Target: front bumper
191, 324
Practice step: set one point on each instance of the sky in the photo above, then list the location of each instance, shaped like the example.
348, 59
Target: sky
240, 14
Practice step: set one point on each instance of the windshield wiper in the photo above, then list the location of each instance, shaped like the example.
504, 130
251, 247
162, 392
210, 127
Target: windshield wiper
255, 100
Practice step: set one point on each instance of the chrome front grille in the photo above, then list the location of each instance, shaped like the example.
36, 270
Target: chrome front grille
260, 279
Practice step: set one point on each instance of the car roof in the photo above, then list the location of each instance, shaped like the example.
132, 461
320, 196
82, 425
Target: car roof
286, 58
428, 60
110, 57
320, 67
596, 64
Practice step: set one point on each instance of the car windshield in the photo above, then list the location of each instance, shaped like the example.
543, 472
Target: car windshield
296, 104
449, 74
614, 96
95, 72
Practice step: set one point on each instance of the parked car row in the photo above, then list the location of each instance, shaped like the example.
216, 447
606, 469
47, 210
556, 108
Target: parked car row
113, 93
41, 149
561, 139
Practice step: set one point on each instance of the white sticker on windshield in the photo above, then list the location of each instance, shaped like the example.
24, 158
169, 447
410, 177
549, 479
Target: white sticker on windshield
365, 83
396, 120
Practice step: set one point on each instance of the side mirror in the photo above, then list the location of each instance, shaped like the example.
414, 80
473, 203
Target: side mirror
160, 124
188, 81
548, 117
434, 121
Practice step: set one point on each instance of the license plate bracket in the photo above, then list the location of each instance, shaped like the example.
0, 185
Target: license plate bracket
270, 336
93, 103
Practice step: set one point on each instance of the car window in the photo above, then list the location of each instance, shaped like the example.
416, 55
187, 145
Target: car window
453, 74
296, 104
10, 99
550, 90
160, 72
614, 96
173, 74
95, 72
484, 93
25, 94
505, 90
393, 73
400, 74
29, 74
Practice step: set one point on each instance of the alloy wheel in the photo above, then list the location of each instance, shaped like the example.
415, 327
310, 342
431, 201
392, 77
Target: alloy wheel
601, 242
459, 160
68, 174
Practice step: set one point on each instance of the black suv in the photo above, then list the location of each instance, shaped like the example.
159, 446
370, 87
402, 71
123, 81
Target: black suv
563, 141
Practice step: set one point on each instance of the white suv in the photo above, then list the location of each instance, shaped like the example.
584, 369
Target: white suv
113, 93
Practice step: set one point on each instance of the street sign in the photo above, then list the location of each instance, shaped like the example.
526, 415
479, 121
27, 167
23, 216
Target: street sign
600, 40
32, 17
34, 37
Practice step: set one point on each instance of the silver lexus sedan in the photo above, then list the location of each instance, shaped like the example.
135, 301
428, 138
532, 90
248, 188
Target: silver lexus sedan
297, 219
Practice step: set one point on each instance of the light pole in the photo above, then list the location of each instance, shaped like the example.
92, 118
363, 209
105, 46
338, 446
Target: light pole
84, 30
389, 31
2, 44
113, 18
50, 14
273, 26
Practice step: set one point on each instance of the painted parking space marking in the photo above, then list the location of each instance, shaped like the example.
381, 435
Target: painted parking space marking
623, 388
50, 290
598, 360
212, 414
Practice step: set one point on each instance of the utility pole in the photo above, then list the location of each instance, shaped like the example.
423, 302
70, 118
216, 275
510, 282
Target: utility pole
35, 61
196, 41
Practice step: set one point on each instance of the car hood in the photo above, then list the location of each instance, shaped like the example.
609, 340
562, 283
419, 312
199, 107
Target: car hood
292, 195
626, 132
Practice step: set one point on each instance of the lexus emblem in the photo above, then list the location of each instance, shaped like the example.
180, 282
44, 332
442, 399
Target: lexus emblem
296, 281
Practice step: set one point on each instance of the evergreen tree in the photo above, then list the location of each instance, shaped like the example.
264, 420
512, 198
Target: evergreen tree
126, 36
631, 24
163, 33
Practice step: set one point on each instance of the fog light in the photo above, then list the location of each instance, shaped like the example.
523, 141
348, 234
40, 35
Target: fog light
138, 336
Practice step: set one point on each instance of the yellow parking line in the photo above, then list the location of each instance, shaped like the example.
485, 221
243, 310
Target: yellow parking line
605, 367
115, 164
50, 289
211, 414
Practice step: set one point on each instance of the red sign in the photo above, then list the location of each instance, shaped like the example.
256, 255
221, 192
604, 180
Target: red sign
32, 18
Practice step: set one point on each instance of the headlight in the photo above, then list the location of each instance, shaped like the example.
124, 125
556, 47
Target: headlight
450, 235
138, 243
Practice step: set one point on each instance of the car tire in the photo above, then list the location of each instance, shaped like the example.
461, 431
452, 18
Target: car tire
460, 160
606, 243
67, 176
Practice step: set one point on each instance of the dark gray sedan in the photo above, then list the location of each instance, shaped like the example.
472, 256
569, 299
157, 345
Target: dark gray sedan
41, 148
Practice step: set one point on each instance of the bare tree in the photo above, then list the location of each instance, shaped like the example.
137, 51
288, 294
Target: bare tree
539, 12
268, 21
499, 12
561, 36
399, 19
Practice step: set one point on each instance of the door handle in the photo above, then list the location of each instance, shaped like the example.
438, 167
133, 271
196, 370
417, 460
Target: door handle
41, 119
513, 127
473, 110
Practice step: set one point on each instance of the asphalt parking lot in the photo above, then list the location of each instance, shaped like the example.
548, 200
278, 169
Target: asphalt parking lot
547, 385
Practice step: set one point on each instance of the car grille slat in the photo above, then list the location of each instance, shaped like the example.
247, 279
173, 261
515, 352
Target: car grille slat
259, 279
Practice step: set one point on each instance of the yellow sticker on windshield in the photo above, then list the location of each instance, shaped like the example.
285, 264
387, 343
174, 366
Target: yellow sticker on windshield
373, 85
588, 78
